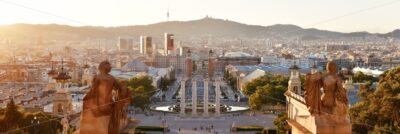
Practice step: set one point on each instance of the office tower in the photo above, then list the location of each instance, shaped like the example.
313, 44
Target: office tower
125, 44
146, 46
168, 43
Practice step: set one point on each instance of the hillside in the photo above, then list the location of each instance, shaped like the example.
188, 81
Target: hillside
183, 29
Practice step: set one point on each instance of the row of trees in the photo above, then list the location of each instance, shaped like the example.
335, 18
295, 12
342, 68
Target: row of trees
14, 119
266, 90
230, 80
165, 82
378, 110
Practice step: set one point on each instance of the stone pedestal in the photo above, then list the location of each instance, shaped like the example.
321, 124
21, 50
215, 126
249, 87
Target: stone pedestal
183, 99
194, 98
205, 103
217, 97
320, 124
307, 113
303, 122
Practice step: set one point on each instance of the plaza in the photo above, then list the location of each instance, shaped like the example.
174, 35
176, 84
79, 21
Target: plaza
221, 125
206, 95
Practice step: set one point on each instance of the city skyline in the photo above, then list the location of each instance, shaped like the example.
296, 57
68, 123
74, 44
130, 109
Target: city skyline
199, 66
371, 16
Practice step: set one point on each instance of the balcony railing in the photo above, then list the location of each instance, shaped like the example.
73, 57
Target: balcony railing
296, 96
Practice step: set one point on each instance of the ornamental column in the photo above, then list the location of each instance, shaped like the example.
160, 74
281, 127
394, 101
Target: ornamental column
194, 98
205, 103
217, 97
183, 99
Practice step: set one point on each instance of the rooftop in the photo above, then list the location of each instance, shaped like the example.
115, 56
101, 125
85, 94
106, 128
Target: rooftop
237, 54
272, 68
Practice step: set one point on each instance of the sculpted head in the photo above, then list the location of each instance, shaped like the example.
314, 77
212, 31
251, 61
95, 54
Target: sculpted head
105, 67
331, 67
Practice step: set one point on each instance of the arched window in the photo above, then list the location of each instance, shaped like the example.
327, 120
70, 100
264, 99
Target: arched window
295, 89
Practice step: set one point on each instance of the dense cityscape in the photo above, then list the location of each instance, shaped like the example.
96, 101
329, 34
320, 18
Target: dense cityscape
208, 75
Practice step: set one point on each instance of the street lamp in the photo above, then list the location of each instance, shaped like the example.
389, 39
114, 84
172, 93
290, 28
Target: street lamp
35, 122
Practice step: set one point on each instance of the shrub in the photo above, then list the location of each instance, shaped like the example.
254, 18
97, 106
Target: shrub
249, 128
149, 128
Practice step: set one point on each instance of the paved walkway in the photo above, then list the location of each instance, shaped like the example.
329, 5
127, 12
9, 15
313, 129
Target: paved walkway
221, 125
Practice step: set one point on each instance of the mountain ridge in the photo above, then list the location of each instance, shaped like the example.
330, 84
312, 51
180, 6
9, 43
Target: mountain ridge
183, 29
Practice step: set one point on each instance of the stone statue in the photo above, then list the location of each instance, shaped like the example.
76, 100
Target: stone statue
64, 122
102, 112
334, 98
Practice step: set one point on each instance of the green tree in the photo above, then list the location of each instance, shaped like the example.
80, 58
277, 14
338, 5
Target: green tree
377, 110
48, 124
251, 87
14, 117
226, 74
256, 100
266, 90
230, 80
272, 80
281, 123
267, 95
144, 81
164, 82
360, 77
142, 90
140, 98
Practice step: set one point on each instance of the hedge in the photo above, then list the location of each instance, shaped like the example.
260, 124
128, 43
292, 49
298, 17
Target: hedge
149, 128
249, 128
270, 131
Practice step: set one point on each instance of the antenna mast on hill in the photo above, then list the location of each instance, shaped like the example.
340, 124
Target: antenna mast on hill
168, 14
169, 2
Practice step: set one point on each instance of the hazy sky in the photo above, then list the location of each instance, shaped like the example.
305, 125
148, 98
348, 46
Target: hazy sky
304, 13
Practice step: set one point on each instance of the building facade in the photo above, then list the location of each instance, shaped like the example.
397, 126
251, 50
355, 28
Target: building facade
146, 46
125, 44
168, 43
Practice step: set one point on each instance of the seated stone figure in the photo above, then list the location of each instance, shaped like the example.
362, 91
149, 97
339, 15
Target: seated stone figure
326, 100
102, 112
334, 98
